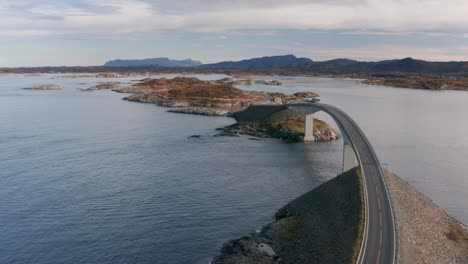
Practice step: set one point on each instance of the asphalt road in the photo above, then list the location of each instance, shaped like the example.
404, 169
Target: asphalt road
379, 243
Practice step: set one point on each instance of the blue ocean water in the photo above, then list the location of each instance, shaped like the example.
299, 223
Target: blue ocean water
86, 177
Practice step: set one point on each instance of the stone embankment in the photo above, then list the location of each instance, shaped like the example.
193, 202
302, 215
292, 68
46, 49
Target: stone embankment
426, 234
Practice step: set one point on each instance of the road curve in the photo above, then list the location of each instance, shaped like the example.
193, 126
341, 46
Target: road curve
378, 245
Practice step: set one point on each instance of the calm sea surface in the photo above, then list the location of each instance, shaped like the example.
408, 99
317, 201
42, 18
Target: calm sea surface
86, 177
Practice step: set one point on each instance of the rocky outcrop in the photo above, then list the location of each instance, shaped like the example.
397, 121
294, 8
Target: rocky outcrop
306, 95
320, 226
291, 130
45, 87
104, 86
426, 234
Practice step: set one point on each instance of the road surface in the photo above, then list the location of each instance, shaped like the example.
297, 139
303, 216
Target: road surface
379, 234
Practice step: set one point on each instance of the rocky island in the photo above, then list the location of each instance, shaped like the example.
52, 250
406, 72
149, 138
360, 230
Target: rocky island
190, 95
45, 87
104, 86
188, 91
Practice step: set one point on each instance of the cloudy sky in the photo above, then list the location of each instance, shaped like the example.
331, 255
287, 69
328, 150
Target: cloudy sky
90, 32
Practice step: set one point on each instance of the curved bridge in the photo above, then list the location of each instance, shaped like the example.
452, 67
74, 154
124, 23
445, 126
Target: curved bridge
379, 239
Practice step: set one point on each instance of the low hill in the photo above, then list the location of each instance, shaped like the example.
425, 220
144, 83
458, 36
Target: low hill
158, 62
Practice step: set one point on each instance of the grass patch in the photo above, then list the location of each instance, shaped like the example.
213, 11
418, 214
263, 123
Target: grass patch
360, 232
289, 228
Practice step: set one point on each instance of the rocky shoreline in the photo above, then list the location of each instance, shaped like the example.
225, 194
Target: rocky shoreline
420, 82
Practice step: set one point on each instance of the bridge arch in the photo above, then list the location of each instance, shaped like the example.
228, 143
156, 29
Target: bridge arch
350, 155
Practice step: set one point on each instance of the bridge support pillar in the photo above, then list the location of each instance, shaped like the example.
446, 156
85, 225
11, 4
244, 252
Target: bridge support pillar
309, 129
349, 156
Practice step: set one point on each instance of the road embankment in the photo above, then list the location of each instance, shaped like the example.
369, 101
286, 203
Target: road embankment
320, 226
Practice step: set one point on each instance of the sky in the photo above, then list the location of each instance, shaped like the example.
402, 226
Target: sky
90, 32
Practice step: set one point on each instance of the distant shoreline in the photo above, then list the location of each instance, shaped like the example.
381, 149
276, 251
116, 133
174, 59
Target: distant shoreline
392, 79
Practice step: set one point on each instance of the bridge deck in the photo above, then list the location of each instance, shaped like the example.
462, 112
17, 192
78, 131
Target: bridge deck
379, 235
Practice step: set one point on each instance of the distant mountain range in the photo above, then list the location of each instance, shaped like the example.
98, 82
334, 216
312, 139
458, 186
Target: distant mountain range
407, 65
293, 63
281, 65
344, 66
155, 62
256, 63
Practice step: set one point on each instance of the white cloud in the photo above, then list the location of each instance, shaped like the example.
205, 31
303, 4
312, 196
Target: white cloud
125, 16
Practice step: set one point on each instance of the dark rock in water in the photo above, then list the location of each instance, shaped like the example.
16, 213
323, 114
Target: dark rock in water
255, 139
195, 136
226, 134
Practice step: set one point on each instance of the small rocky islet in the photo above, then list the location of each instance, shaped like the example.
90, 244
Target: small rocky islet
189, 95
45, 87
